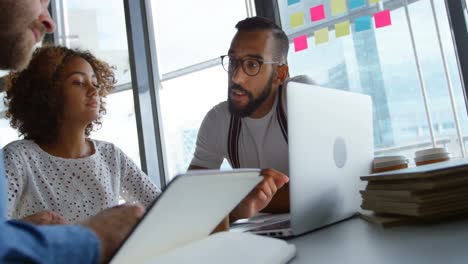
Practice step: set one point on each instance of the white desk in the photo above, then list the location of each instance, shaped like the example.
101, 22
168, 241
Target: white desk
356, 241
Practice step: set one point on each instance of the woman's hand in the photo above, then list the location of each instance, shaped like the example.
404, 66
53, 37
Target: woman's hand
45, 218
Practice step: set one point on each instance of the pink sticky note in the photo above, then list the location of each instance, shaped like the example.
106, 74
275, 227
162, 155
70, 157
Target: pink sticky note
382, 19
317, 13
300, 43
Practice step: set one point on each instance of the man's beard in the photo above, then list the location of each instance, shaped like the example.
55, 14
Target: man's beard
15, 53
17, 42
253, 103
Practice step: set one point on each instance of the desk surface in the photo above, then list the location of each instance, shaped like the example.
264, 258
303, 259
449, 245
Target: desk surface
356, 241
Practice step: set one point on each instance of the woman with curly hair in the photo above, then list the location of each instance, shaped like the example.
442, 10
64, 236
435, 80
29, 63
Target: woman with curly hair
55, 103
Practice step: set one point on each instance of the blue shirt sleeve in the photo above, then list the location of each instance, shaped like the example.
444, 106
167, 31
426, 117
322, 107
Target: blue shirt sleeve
24, 243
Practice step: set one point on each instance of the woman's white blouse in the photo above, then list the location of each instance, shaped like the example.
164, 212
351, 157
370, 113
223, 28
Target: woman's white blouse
74, 188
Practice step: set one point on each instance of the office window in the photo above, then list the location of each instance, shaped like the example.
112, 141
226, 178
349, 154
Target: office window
99, 26
119, 125
190, 37
367, 48
191, 32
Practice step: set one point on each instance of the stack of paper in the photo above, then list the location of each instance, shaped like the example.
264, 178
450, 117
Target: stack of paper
419, 194
230, 248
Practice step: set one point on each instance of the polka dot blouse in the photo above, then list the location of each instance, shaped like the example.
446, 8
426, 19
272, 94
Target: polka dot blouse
75, 188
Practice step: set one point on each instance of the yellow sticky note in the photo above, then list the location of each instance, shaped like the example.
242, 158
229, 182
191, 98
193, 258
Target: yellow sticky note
374, 1
321, 36
339, 6
297, 19
342, 29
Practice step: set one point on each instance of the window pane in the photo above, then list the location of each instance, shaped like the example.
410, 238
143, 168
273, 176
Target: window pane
99, 26
380, 62
190, 32
119, 125
184, 103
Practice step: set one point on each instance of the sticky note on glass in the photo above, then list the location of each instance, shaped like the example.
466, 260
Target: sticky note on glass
374, 1
362, 23
382, 19
353, 4
321, 36
297, 19
300, 43
338, 7
292, 2
342, 29
317, 13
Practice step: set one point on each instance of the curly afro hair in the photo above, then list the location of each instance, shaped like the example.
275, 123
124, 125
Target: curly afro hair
34, 96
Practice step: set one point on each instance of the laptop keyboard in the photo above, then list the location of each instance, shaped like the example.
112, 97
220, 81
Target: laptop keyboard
275, 226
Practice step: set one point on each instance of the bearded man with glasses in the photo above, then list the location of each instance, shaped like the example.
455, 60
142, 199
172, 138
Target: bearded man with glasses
250, 128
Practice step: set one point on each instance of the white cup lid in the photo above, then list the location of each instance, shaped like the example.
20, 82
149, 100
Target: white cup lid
431, 151
387, 161
431, 154
432, 157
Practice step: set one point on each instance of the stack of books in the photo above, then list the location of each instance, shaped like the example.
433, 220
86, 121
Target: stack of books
419, 194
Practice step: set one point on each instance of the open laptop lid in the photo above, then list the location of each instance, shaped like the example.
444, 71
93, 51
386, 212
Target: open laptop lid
192, 205
330, 147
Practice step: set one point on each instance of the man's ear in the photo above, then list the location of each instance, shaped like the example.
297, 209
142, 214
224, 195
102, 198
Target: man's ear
282, 72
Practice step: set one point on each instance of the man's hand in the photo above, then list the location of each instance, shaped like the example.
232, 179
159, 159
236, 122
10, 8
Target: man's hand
45, 218
112, 226
259, 197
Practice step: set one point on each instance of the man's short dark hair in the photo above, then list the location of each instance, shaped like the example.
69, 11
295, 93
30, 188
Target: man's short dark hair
259, 24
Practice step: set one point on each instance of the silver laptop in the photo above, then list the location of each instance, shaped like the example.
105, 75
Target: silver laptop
189, 209
330, 146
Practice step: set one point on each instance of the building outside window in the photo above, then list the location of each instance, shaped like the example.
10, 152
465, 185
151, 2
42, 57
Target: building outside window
366, 47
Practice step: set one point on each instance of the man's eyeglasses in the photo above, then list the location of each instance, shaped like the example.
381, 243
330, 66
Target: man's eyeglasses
251, 66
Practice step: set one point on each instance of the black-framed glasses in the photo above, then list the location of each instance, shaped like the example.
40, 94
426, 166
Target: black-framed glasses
250, 66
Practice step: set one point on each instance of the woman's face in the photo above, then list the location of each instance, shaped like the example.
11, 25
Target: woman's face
80, 92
